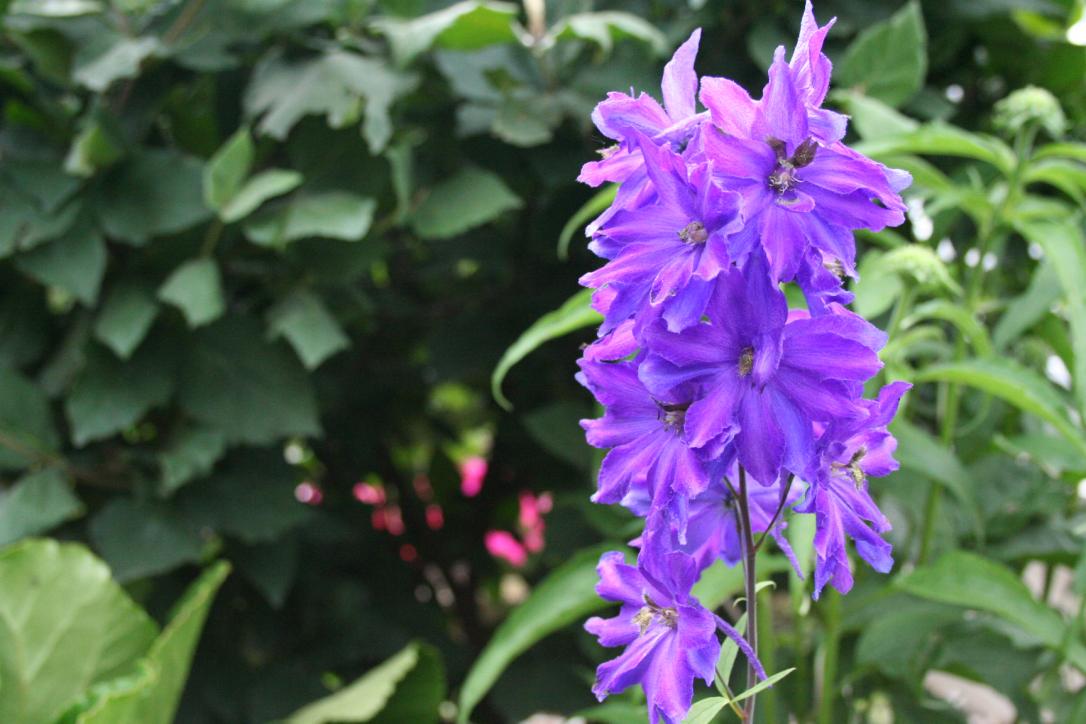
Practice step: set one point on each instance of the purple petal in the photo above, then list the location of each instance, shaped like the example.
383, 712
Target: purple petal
760, 441
730, 106
680, 82
782, 114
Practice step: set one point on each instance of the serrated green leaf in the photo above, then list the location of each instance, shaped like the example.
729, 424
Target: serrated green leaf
1014, 383
872, 118
111, 395
64, 627
237, 383
36, 503
155, 192
331, 215
55, 8
576, 313
125, 318
970, 581
888, 60
110, 57
75, 262
258, 189
115, 701
195, 288
605, 27
227, 169
309, 327
472, 197
26, 422
468, 25
140, 539
92, 150
567, 594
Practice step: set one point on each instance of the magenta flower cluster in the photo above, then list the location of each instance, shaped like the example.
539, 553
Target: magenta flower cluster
704, 372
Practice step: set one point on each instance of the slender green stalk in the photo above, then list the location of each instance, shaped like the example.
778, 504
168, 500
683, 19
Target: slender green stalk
767, 654
827, 697
750, 580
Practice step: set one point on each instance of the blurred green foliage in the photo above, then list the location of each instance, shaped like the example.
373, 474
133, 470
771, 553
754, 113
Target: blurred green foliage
260, 251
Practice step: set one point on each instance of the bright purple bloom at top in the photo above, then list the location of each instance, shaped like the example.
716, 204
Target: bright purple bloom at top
621, 116
762, 382
664, 254
670, 638
838, 496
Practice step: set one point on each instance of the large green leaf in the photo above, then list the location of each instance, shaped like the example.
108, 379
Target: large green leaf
228, 169
333, 215
126, 317
889, 60
310, 328
109, 57
467, 25
472, 197
1014, 383
940, 139
237, 383
408, 688
74, 262
191, 454
140, 539
1065, 248
605, 27
566, 595
36, 503
64, 626
576, 313
971, 581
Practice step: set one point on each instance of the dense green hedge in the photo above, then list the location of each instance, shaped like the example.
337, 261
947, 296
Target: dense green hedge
250, 244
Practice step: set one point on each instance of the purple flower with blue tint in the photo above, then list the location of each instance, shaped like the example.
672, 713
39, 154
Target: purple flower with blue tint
850, 452
670, 638
664, 254
761, 381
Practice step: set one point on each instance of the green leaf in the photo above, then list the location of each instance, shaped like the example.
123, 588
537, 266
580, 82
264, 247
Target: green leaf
466, 25
970, 581
191, 454
271, 567
75, 262
614, 712
195, 288
126, 317
227, 169
526, 121
1028, 308
896, 641
140, 539
705, 711
763, 685
1063, 244
940, 139
310, 328
923, 454
251, 391
258, 189
93, 149
27, 432
605, 27
472, 197
968, 325
55, 8
395, 684
333, 215
576, 313
882, 276
888, 60
872, 118
111, 395
1018, 385
115, 701
335, 85
156, 192
1067, 176
566, 595
110, 57
592, 208
719, 582
64, 626
171, 653
37, 503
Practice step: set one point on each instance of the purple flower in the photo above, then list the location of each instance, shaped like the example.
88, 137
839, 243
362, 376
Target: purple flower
802, 189
649, 456
670, 638
621, 116
664, 254
761, 382
838, 497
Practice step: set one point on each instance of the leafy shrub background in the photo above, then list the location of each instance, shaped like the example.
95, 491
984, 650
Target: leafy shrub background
250, 243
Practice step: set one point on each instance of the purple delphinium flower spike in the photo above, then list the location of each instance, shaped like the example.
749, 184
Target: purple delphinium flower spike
646, 436
665, 254
762, 382
838, 496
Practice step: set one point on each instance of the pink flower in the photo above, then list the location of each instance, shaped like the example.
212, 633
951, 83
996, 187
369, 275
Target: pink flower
472, 473
502, 544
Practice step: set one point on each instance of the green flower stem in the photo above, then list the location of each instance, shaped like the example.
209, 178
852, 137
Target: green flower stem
831, 611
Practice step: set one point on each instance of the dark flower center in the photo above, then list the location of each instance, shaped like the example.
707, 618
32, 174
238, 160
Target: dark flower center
694, 233
746, 361
784, 175
673, 416
650, 611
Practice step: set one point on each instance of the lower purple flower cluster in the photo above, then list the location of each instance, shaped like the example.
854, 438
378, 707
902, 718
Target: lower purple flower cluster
706, 377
